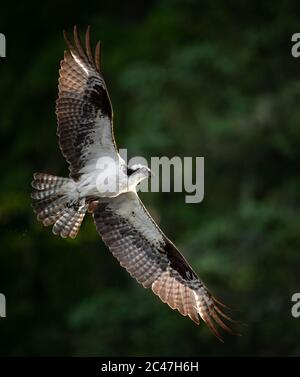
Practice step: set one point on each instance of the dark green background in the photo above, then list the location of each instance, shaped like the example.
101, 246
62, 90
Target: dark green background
187, 78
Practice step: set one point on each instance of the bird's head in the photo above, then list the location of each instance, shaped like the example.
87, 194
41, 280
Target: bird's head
137, 173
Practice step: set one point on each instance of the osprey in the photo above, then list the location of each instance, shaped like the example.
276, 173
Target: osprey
85, 131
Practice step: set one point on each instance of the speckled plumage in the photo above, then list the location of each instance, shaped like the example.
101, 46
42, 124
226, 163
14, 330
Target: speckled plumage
150, 257
85, 130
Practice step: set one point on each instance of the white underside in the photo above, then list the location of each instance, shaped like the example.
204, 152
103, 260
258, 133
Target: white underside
105, 181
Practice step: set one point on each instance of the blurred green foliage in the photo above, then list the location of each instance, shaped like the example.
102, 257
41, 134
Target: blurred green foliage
187, 78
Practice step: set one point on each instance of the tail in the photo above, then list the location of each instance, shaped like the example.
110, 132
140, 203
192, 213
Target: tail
53, 204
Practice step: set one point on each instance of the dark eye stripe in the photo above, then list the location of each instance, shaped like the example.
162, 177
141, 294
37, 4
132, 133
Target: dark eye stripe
130, 171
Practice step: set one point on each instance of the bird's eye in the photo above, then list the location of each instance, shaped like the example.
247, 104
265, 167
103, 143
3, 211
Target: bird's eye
130, 171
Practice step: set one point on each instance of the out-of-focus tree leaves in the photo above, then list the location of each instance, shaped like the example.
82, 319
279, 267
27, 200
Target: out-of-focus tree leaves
186, 78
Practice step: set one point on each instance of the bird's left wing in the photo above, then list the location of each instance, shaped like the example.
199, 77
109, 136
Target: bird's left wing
151, 258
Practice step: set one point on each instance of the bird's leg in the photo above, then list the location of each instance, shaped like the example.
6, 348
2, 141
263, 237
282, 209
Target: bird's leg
92, 206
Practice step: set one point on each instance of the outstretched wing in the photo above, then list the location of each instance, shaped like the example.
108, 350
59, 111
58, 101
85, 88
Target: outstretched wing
83, 108
150, 257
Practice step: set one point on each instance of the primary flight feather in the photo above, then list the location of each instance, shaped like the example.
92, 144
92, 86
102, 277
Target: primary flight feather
85, 131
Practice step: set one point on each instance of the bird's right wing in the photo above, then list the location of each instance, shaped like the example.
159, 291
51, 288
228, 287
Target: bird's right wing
151, 258
83, 108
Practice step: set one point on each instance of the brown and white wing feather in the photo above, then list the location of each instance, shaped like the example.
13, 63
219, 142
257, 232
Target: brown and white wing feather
83, 108
151, 258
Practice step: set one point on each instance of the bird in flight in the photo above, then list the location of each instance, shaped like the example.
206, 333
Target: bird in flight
85, 130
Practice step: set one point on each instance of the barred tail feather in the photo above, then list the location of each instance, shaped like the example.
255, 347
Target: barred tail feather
53, 205
46, 182
69, 222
